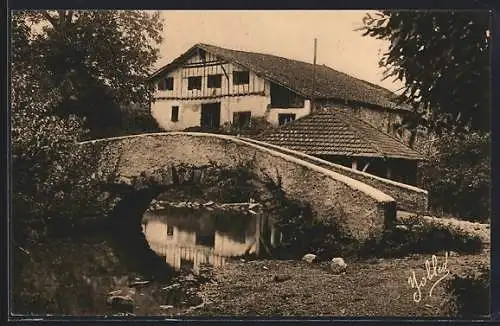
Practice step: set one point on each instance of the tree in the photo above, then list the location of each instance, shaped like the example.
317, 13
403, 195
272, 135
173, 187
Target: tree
444, 60
458, 175
97, 60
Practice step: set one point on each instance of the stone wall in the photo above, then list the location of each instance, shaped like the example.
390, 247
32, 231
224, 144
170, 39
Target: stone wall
385, 120
361, 210
407, 197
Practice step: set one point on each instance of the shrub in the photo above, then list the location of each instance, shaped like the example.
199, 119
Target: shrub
417, 236
457, 175
256, 126
53, 180
136, 120
471, 294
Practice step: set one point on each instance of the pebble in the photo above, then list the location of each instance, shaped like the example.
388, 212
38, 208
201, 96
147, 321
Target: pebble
166, 307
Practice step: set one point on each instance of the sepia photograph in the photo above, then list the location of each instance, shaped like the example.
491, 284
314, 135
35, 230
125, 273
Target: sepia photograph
190, 164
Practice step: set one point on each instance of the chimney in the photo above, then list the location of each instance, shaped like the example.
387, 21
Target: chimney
313, 87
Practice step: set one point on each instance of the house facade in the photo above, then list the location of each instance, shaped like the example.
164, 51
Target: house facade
203, 90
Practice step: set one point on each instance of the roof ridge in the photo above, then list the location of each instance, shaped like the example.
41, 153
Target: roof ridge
380, 131
263, 53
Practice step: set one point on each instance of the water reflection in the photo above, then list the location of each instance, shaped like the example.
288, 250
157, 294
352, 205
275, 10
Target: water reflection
188, 237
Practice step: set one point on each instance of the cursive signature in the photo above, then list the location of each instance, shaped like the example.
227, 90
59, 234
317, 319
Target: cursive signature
432, 271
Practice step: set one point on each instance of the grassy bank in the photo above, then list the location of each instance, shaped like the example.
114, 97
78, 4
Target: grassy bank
375, 287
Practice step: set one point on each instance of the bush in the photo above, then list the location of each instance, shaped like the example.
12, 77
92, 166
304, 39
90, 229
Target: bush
53, 180
458, 177
471, 294
418, 236
136, 120
256, 126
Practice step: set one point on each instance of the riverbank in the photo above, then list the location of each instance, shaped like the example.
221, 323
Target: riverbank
72, 277
375, 287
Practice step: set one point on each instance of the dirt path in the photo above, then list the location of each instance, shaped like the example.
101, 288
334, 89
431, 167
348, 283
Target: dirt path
368, 288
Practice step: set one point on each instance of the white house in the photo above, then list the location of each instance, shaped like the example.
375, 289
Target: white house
206, 88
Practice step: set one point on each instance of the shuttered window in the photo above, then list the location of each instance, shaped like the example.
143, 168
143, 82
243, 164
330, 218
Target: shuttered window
241, 77
166, 84
194, 82
214, 81
175, 113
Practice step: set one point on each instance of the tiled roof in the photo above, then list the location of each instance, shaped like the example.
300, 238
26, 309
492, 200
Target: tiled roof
297, 76
335, 132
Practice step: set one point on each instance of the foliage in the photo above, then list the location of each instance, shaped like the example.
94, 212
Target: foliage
444, 59
219, 183
471, 294
135, 120
96, 60
70, 276
457, 175
52, 178
417, 236
256, 126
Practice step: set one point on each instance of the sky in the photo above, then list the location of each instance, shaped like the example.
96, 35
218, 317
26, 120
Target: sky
287, 34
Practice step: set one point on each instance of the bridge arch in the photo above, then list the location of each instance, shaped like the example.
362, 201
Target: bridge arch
362, 211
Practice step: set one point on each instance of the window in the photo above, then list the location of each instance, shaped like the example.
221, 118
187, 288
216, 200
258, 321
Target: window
202, 55
169, 83
242, 119
194, 82
175, 113
214, 81
241, 77
285, 118
170, 231
166, 84
282, 97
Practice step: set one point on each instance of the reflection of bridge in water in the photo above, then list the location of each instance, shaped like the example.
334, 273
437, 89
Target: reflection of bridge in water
201, 241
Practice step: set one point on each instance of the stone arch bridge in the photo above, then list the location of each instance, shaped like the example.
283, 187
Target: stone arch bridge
365, 204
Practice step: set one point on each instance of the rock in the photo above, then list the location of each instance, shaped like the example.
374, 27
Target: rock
402, 227
121, 300
124, 314
172, 286
339, 261
253, 205
265, 267
337, 265
453, 254
190, 277
136, 283
310, 258
208, 203
166, 307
